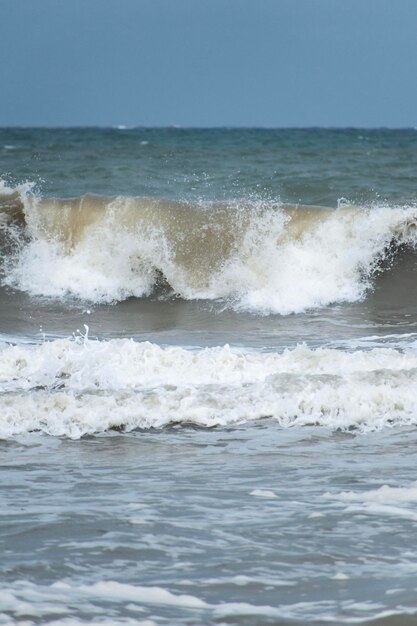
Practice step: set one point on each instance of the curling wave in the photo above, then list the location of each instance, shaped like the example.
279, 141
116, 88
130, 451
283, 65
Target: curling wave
265, 258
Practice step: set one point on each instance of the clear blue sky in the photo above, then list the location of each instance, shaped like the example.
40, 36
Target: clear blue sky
272, 63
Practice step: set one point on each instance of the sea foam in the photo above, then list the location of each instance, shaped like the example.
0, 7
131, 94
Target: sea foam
74, 387
47, 600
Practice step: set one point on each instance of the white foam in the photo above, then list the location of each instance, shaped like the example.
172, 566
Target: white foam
241, 580
382, 494
386, 500
75, 387
108, 264
263, 493
39, 601
61, 598
332, 262
147, 595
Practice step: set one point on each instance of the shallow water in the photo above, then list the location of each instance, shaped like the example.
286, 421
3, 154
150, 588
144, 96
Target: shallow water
254, 524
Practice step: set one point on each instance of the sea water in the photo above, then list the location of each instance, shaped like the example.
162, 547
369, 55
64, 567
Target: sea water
208, 368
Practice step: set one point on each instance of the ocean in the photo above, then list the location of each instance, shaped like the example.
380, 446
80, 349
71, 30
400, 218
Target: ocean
208, 376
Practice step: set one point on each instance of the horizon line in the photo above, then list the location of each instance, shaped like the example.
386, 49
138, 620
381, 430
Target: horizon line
179, 127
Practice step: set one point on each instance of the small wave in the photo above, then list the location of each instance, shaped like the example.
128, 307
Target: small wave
264, 258
62, 596
77, 387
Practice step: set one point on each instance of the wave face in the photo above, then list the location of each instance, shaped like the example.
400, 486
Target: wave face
260, 257
77, 387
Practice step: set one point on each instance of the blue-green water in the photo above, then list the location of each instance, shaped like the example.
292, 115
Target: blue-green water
307, 166
207, 376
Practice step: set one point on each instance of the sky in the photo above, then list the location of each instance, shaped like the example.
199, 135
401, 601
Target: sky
204, 63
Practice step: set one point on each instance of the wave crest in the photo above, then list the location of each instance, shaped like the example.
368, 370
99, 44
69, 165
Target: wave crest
265, 258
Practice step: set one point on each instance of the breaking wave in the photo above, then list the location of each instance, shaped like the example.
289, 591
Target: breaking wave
74, 387
260, 257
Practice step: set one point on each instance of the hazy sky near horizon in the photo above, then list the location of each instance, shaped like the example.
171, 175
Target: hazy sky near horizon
273, 63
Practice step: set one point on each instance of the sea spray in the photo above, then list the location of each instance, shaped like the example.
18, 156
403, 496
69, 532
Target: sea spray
259, 257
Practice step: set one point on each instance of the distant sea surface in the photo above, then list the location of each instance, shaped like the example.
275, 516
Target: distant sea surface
208, 376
